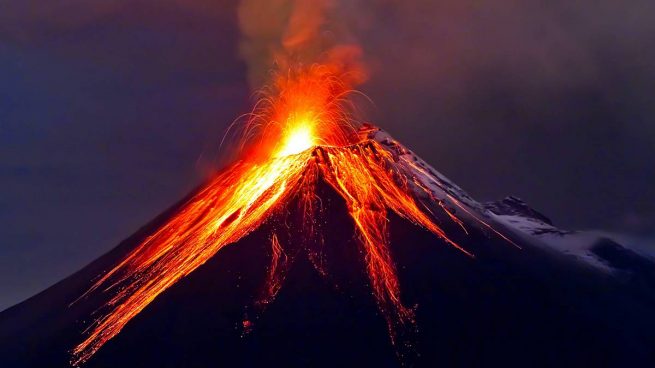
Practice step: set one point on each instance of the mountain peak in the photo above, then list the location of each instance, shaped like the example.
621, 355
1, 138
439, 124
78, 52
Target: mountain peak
360, 254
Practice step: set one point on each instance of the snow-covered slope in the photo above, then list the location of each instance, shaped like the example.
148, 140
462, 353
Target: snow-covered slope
597, 249
602, 250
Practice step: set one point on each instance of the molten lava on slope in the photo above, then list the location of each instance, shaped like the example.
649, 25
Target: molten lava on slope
305, 137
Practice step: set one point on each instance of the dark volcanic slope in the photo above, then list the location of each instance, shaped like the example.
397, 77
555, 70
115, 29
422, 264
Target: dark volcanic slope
507, 307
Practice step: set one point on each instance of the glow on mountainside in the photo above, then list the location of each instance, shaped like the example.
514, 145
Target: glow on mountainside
300, 132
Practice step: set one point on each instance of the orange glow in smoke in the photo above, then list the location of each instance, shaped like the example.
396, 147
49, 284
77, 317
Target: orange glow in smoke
302, 132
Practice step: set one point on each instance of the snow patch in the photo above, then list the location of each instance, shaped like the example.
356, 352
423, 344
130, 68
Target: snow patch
512, 213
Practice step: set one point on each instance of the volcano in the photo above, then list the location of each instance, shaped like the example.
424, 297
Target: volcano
330, 277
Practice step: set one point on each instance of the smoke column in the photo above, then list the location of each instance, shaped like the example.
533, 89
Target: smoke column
277, 34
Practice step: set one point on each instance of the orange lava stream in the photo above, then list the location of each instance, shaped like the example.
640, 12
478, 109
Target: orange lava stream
309, 141
231, 206
366, 177
275, 273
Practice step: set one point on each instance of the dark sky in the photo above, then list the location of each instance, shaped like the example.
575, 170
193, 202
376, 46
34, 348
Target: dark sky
111, 112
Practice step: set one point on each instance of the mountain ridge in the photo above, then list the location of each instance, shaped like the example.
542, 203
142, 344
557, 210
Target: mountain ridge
507, 305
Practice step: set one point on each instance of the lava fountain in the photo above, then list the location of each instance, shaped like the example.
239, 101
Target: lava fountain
300, 131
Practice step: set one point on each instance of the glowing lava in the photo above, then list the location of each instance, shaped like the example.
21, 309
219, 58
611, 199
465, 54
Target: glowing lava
303, 134
301, 138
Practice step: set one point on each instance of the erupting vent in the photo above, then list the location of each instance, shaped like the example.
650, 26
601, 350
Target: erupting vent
302, 132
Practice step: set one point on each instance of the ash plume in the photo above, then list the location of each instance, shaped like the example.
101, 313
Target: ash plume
278, 33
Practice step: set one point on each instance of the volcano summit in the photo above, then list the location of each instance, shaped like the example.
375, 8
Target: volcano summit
353, 255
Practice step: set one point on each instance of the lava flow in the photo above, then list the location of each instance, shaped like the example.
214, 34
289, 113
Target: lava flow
299, 133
